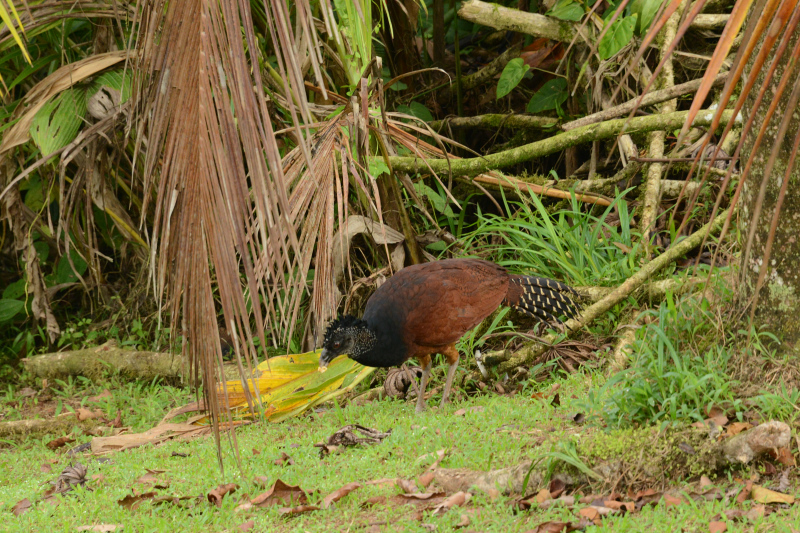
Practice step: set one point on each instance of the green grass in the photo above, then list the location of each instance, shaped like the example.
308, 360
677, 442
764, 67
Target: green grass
508, 431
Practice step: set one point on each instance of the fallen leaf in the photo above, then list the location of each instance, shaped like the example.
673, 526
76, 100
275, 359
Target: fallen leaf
763, 495
26, 392
783, 484
106, 394
757, 511
618, 506
406, 485
542, 496
300, 509
425, 479
216, 495
464, 522
705, 481
150, 477
85, 414
734, 428
785, 457
671, 501
457, 499
551, 527
59, 442
383, 481
745, 493
102, 528
280, 493
132, 501
592, 514
70, 477
557, 486
421, 495
246, 526
117, 422
373, 500
46, 468
474, 409
717, 527
21, 507
338, 494
284, 459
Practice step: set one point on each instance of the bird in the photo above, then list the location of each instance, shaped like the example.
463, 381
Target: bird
425, 309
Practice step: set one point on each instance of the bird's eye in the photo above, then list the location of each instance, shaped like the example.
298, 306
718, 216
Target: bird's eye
337, 345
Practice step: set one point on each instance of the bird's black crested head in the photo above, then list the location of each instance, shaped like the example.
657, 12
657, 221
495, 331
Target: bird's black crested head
345, 335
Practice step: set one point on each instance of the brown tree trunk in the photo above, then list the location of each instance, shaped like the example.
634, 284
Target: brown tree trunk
779, 298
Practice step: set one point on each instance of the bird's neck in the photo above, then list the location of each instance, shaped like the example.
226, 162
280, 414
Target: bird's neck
376, 348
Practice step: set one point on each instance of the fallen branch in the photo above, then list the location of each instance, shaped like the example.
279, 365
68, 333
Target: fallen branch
593, 132
98, 361
530, 353
655, 97
62, 424
496, 121
504, 18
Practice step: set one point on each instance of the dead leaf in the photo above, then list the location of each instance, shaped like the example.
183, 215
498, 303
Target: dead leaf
406, 485
464, 522
338, 494
85, 414
757, 511
784, 456
59, 442
106, 394
300, 509
280, 493
546, 394
383, 481
705, 481
373, 500
102, 528
474, 409
284, 459
132, 501
591, 513
671, 501
618, 506
46, 468
457, 499
542, 496
246, 526
425, 479
351, 435
21, 507
717, 527
70, 477
763, 495
551, 527
256, 452
150, 477
745, 493
216, 495
734, 428
557, 486
783, 484
421, 495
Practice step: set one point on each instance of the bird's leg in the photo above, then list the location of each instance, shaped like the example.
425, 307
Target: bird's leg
425, 361
452, 358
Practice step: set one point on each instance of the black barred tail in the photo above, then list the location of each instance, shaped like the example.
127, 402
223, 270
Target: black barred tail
542, 298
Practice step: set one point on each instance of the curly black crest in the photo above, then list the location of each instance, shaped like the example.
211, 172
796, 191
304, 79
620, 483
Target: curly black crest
343, 322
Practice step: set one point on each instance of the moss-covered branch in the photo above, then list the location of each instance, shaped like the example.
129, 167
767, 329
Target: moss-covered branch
593, 132
496, 121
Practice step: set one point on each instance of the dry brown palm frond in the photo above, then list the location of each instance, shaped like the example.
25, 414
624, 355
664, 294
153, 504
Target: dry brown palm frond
204, 115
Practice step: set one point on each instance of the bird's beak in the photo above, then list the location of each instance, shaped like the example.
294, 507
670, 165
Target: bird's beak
324, 359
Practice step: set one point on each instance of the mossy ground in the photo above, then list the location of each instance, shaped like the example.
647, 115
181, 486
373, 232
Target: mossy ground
509, 430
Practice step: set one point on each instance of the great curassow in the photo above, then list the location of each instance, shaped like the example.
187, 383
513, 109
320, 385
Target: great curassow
424, 309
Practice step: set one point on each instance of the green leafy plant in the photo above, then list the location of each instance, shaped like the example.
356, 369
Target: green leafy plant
618, 36
512, 74
679, 369
567, 10
550, 96
570, 245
